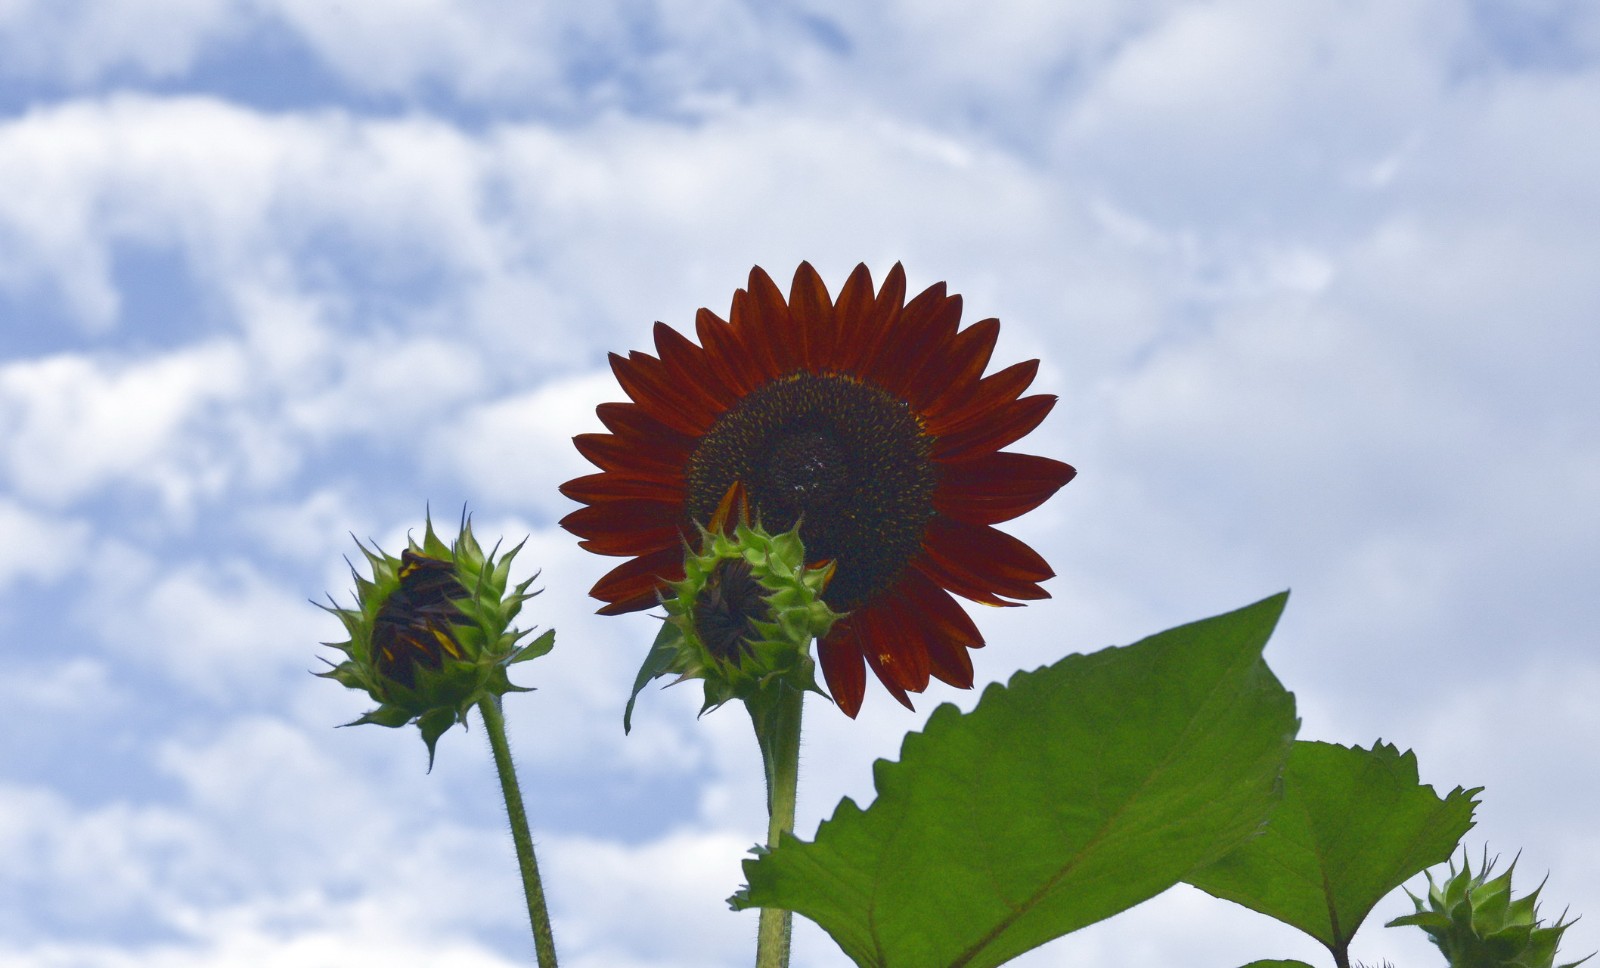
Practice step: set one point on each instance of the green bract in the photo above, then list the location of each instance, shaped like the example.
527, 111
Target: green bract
1477, 924
743, 617
430, 633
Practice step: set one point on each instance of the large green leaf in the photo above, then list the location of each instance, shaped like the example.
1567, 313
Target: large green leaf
1280, 963
1074, 792
1354, 824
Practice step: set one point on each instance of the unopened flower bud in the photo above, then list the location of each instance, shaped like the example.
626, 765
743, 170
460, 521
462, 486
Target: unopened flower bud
431, 634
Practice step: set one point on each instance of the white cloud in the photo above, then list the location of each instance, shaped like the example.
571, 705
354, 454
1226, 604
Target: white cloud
670, 894
586, 678
83, 867
1234, 113
38, 546
376, 944
554, 58
73, 422
1523, 727
532, 250
79, 41
220, 629
518, 450
61, 688
287, 832
313, 527
389, 387
247, 199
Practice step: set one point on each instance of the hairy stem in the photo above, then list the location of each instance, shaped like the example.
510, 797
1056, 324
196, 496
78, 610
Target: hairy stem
495, 725
778, 732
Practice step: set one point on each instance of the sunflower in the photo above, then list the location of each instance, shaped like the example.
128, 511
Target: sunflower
869, 421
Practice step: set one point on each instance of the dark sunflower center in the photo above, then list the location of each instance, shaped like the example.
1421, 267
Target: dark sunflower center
806, 470
845, 458
725, 608
412, 627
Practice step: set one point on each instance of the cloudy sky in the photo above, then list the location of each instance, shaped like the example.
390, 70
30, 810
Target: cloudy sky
1315, 284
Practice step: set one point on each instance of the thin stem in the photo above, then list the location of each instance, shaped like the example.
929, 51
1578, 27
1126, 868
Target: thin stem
495, 725
778, 732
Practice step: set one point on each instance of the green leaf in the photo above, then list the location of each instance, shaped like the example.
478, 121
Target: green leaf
657, 663
1354, 824
1072, 793
1285, 963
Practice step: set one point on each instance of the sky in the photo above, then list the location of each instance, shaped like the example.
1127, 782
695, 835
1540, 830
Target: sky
1314, 282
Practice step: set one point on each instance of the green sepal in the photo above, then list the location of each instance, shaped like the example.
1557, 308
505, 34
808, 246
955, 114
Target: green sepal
433, 725
535, 649
346, 674
391, 716
1426, 920
657, 663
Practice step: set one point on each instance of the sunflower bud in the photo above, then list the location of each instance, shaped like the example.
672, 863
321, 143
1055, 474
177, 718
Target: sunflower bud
430, 633
1474, 921
743, 617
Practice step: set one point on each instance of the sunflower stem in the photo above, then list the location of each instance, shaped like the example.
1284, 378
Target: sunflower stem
777, 724
494, 724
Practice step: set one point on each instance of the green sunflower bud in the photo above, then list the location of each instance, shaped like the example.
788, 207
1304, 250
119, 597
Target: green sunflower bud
743, 617
431, 634
1476, 923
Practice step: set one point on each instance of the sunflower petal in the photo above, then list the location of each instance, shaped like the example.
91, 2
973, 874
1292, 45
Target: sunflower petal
633, 585
863, 335
947, 630
635, 423
956, 371
726, 356
685, 365
854, 303
980, 563
811, 317
990, 394
928, 344
596, 488
679, 406
621, 517
773, 329
901, 650
1007, 426
632, 543
843, 668
912, 338
998, 487
872, 638
614, 453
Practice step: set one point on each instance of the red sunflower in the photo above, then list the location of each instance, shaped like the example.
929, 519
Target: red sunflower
869, 420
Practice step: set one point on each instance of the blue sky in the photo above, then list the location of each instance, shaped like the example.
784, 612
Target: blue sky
1314, 282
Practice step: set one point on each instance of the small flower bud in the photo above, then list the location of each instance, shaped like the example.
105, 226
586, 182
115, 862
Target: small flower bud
745, 614
431, 634
1474, 920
